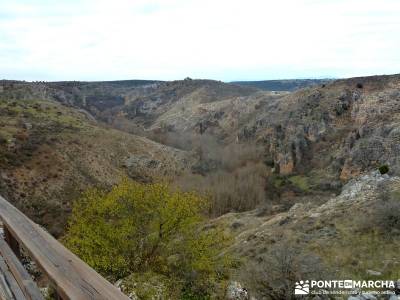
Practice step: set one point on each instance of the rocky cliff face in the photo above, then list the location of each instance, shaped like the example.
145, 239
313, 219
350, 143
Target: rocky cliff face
342, 129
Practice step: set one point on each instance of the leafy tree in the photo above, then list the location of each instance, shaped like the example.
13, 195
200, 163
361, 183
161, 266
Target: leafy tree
138, 228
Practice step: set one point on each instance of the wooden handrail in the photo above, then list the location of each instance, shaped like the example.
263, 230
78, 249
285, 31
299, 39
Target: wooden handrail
72, 278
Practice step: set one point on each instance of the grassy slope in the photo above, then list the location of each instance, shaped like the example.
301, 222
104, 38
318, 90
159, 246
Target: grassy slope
346, 233
50, 153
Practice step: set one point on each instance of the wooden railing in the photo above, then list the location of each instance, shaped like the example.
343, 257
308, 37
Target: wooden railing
69, 276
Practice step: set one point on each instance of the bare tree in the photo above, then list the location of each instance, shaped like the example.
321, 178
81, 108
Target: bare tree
275, 274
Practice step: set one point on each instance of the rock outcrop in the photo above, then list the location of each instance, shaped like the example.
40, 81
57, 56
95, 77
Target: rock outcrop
343, 129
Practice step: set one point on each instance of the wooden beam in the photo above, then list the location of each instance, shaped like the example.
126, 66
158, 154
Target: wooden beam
10, 282
72, 277
5, 292
25, 281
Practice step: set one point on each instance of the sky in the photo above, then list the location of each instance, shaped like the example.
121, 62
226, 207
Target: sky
217, 39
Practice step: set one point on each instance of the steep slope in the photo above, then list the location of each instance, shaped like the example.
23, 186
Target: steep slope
187, 105
50, 153
352, 235
334, 132
94, 97
146, 107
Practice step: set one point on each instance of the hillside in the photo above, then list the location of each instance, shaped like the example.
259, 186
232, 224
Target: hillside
339, 131
314, 139
191, 106
283, 85
352, 235
328, 133
50, 153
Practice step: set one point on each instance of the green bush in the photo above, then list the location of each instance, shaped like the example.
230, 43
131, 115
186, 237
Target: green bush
141, 228
383, 169
300, 182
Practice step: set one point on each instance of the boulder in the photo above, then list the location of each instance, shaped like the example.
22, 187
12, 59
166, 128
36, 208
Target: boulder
373, 273
27, 125
235, 291
362, 297
139, 167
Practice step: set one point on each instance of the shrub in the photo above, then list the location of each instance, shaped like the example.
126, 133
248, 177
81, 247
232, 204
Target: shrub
300, 182
275, 273
3, 140
139, 228
383, 169
383, 217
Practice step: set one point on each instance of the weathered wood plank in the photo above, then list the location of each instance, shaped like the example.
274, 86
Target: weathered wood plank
25, 282
5, 292
10, 281
72, 277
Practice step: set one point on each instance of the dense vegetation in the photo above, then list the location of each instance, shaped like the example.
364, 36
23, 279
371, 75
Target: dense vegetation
149, 229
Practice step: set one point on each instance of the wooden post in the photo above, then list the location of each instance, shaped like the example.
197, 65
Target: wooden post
12, 242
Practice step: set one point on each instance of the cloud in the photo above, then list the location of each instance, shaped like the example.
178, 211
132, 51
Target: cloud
172, 39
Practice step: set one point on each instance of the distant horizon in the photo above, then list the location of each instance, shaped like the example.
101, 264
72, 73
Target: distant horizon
212, 79
205, 78
179, 79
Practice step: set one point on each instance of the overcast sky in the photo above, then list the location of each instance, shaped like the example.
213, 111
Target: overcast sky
218, 39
